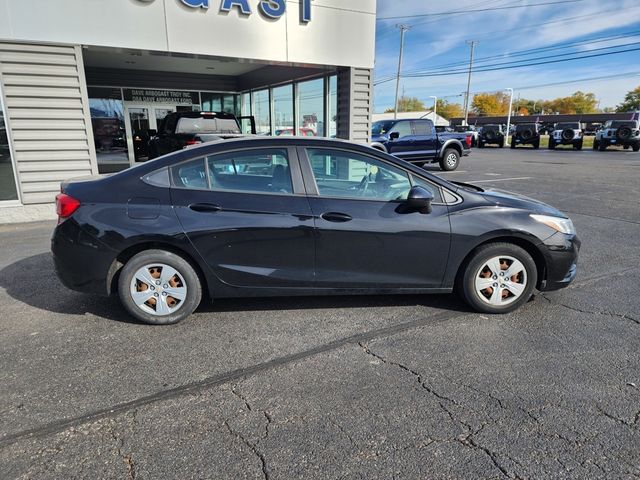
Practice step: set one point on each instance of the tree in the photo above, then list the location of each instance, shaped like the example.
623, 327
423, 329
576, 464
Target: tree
490, 104
579, 102
449, 110
408, 104
631, 101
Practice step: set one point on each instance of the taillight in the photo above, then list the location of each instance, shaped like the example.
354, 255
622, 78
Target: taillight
66, 205
193, 141
468, 140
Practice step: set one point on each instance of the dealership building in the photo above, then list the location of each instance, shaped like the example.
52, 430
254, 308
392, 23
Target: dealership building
81, 81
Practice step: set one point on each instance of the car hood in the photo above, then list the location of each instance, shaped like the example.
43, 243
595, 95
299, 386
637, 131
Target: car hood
379, 138
509, 199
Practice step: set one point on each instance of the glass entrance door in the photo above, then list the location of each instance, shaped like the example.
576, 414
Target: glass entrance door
142, 120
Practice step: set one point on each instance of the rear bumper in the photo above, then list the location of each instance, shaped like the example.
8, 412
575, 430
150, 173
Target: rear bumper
82, 262
561, 258
616, 141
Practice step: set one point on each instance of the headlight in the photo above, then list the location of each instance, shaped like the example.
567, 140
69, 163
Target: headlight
563, 225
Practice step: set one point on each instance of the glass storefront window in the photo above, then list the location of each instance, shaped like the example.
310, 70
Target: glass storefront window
262, 112
332, 114
8, 189
107, 120
283, 120
311, 107
245, 111
219, 102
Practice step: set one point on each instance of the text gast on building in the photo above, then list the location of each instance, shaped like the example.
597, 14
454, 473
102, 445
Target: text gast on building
82, 83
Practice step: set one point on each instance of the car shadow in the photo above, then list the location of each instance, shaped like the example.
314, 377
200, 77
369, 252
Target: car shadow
33, 281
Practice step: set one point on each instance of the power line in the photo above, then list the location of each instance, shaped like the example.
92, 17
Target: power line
524, 65
440, 14
521, 53
461, 70
524, 53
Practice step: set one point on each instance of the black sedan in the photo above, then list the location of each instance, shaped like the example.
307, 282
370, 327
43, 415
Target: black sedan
299, 216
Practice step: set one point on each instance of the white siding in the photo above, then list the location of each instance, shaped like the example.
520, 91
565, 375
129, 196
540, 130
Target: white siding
354, 104
48, 113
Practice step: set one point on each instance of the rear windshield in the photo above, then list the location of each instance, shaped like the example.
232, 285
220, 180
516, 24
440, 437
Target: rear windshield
562, 126
525, 126
207, 125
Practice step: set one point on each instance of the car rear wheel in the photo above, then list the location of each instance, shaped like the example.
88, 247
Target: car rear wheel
636, 147
552, 144
499, 278
602, 146
159, 287
450, 160
596, 145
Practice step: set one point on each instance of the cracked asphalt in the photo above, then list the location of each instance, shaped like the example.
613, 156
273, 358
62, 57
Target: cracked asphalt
340, 387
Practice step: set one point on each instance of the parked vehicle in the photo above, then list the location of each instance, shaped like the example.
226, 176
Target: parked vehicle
469, 130
299, 216
305, 132
182, 129
418, 142
569, 133
492, 135
526, 134
625, 133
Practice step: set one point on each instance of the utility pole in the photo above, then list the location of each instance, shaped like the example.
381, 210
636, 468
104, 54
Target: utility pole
435, 107
510, 90
403, 28
473, 44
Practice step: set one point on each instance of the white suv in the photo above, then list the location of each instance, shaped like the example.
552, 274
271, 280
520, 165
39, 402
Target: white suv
618, 132
569, 133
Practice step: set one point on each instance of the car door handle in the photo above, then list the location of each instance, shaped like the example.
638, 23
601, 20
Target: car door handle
335, 217
205, 207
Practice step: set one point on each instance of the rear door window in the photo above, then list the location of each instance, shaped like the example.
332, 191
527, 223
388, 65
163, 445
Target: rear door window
421, 127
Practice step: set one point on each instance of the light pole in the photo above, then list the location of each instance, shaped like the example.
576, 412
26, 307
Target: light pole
403, 28
509, 115
435, 107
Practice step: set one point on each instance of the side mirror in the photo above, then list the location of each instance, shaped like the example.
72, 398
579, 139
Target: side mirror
152, 132
394, 135
420, 198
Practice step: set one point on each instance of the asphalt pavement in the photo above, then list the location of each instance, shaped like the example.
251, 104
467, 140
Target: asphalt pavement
340, 387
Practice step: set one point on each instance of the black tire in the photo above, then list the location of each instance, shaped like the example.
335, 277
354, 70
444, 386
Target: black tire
552, 144
184, 270
579, 145
480, 144
596, 144
474, 266
536, 145
447, 162
636, 147
501, 145
513, 144
602, 146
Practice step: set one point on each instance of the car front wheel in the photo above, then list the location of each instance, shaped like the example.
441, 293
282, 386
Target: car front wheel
499, 278
159, 287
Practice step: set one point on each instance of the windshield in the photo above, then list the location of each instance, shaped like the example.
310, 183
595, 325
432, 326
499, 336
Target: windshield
562, 126
211, 125
382, 126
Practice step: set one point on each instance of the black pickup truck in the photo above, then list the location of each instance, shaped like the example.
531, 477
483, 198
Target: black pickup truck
182, 129
416, 141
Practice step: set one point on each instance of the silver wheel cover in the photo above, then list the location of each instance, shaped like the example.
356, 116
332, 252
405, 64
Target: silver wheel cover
158, 289
501, 280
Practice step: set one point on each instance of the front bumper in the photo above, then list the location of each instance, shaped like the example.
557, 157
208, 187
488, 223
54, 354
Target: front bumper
561, 258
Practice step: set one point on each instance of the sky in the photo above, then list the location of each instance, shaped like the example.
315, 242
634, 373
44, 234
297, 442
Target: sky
526, 30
